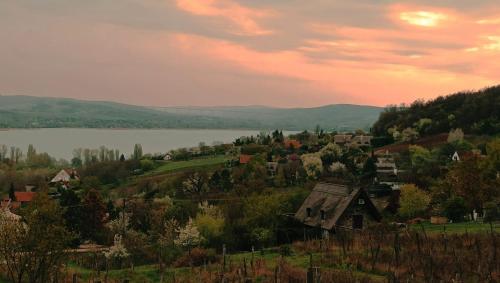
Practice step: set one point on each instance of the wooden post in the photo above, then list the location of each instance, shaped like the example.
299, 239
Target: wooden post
75, 278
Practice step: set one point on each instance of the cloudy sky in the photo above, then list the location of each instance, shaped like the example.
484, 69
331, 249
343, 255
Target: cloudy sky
248, 52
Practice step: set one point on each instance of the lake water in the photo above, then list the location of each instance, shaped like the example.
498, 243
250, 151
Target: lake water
60, 143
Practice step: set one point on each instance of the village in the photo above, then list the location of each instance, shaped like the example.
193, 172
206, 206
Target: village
196, 207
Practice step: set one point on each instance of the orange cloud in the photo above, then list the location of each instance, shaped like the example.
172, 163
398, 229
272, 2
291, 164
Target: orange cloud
361, 81
243, 18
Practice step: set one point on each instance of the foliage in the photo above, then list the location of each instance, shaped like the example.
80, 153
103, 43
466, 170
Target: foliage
117, 250
196, 257
492, 211
455, 135
210, 223
34, 249
455, 209
189, 236
93, 213
312, 164
474, 112
413, 201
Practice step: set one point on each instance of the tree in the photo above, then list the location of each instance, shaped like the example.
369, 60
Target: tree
71, 204
456, 135
409, 134
137, 151
312, 164
93, 214
413, 201
492, 211
210, 223
330, 153
455, 209
189, 236
195, 184
12, 192
468, 180
34, 249
30, 155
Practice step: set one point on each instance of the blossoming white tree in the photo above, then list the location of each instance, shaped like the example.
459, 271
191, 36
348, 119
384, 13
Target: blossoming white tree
118, 250
189, 236
312, 164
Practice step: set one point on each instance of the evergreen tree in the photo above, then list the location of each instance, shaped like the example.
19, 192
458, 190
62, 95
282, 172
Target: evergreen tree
12, 194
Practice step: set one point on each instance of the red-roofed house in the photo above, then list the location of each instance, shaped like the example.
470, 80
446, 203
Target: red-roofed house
295, 144
22, 198
245, 158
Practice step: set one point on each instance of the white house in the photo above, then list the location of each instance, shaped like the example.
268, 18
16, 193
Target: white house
65, 175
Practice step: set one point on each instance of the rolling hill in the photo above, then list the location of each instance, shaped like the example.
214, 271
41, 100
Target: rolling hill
475, 112
43, 112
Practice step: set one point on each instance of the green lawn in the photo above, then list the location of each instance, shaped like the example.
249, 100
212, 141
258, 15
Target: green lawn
472, 227
172, 166
143, 273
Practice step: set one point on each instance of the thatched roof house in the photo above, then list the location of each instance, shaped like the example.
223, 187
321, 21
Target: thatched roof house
331, 206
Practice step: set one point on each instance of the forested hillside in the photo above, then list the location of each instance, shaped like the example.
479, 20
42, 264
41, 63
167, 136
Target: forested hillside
41, 112
474, 112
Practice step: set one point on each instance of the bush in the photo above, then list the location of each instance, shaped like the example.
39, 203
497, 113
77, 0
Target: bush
197, 257
492, 212
147, 165
455, 209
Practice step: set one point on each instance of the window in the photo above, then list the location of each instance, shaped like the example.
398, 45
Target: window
361, 201
322, 214
308, 211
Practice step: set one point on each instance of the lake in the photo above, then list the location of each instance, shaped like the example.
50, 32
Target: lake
60, 143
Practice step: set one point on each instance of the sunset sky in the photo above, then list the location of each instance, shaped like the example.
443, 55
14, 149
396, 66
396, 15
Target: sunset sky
287, 53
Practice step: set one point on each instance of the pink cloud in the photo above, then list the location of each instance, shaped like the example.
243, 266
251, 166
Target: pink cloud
363, 82
243, 19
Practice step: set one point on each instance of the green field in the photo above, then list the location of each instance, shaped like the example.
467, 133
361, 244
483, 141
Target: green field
173, 166
458, 228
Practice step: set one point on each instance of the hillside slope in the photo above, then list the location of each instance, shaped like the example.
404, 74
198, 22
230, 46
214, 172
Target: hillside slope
474, 112
39, 112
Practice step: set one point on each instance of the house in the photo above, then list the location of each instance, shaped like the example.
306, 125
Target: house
65, 176
167, 157
332, 206
245, 158
387, 171
21, 199
342, 139
292, 144
361, 140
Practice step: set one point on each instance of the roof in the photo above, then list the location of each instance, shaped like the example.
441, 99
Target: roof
65, 175
292, 143
362, 139
245, 158
334, 200
24, 196
342, 138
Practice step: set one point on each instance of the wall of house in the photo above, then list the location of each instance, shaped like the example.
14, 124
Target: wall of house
355, 208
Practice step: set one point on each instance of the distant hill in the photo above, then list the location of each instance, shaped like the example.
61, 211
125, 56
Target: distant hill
474, 112
41, 112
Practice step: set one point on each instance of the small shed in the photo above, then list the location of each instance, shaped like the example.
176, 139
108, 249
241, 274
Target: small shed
331, 206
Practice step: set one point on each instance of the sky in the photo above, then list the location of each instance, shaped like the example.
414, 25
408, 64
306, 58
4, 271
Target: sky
285, 53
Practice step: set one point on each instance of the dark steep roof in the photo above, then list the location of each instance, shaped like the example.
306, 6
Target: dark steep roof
334, 200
